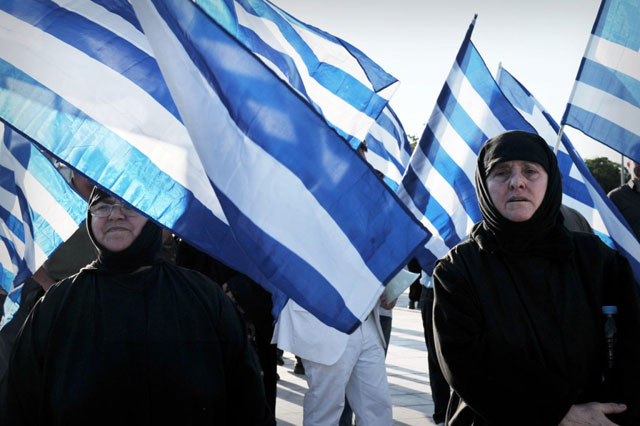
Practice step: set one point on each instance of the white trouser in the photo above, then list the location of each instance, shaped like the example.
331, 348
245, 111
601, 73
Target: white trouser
360, 372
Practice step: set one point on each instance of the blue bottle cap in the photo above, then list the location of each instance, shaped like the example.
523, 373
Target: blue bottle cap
609, 310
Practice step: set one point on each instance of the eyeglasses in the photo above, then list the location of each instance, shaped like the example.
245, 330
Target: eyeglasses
105, 210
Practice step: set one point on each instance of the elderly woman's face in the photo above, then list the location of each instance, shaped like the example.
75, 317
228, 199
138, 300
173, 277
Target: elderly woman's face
115, 226
517, 188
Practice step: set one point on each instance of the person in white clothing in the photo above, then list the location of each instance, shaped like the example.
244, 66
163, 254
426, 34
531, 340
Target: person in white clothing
338, 364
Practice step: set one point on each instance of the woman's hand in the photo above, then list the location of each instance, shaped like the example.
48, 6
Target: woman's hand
591, 414
385, 305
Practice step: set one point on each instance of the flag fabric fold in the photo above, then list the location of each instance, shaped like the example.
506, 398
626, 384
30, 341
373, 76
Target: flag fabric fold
38, 210
580, 189
81, 79
605, 101
341, 83
279, 170
389, 150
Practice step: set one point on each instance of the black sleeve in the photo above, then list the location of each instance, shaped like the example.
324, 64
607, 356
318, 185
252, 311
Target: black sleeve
499, 382
626, 296
244, 386
23, 383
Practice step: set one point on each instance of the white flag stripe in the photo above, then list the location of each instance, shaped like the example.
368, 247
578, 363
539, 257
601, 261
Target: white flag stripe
328, 52
336, 110
8, 200
114, 23
408, 201
384, 166
455, 146
606, 106
443, 193
100, 91
614, 56
403, 156
472, 103
4, 252
437, 245
591, 214
389, 141
18, 244
41, 200
255, 168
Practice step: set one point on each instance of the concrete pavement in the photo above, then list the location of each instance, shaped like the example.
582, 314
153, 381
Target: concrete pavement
406, 372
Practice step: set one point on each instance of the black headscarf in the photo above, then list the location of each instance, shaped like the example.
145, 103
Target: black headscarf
141, 252
541, 234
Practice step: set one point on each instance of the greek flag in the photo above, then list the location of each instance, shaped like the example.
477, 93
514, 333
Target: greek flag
388, 150
438, 186
297, 197
339, 81
38, 211
605, 102
258, 181
580, 190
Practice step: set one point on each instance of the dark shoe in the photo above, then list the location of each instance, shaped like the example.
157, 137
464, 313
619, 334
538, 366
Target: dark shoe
299, 368
412, 304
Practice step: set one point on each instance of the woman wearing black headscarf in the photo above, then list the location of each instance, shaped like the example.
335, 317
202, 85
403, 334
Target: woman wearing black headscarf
517, 313
132, 340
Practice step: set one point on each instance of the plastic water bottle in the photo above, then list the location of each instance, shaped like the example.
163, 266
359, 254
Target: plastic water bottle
610, 333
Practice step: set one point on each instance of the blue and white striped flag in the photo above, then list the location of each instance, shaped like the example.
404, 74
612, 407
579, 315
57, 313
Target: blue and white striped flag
605, 101
439, 185
313, 215
38, 211
389, 150
339, 81
81, 79
580, 190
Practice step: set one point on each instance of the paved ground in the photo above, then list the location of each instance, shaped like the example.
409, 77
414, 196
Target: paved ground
406, 371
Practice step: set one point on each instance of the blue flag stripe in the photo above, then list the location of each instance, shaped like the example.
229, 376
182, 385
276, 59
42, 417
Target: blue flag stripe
459, 119
105, 155
617, 22
264, 132
452, 174
122, 9
473, 67
329, 76
614, 82
605, 101
259, 126
378, 78
345, 97
266, 257
599, 128
428, 206
110, 51
12, 223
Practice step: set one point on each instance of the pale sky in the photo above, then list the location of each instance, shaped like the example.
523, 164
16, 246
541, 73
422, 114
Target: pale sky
540, 42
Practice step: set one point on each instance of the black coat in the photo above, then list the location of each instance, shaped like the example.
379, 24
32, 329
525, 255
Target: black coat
521, 338
160, 346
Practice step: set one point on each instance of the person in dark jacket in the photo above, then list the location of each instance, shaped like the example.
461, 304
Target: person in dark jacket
132, 340
518, 320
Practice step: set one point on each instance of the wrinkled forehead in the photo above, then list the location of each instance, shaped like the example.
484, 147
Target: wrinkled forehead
511, 164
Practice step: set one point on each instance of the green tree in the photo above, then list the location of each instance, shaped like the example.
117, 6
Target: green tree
606, 172
413, 141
